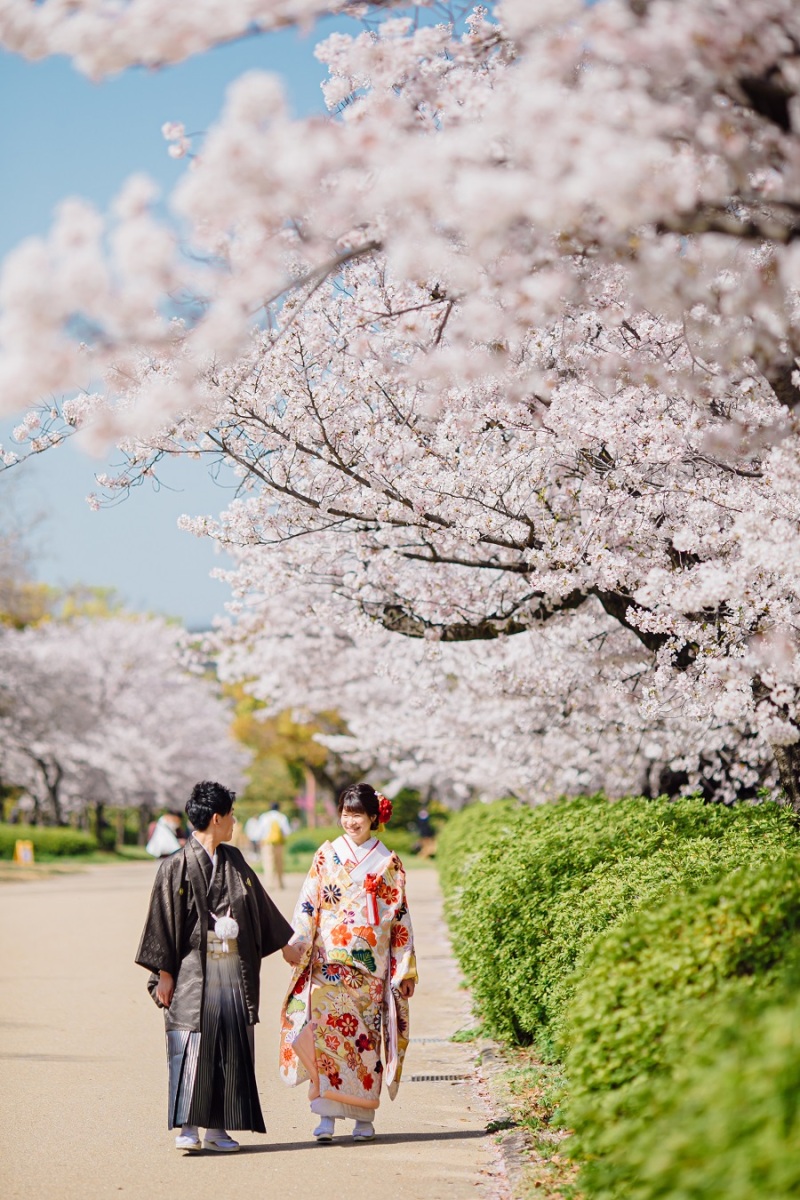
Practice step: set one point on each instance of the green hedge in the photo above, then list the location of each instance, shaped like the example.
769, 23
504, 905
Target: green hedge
530, 891
655, 945
661, 1008
731, 1127
47, 841
463, 840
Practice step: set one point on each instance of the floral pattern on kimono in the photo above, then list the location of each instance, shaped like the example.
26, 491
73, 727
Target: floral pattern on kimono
346, 985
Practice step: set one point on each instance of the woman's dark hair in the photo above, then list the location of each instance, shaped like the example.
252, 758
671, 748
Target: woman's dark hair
206, 799
360, 798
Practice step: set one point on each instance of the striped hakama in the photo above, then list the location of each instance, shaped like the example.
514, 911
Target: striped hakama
212, 1079
214, 1007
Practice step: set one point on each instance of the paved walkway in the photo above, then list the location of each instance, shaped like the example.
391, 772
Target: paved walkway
83, 1095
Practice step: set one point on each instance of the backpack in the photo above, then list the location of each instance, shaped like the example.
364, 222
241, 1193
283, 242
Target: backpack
275, 835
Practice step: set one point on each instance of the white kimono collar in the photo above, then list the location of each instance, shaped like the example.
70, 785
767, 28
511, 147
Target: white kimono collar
371, 864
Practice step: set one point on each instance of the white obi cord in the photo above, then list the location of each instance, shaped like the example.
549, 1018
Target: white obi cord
226, 928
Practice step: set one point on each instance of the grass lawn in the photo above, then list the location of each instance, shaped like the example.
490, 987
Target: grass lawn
47, 865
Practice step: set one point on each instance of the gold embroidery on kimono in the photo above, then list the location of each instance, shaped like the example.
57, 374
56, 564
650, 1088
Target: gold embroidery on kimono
344, 1024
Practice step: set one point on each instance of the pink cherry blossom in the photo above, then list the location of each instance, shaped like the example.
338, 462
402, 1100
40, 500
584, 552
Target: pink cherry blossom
106, 711
503, 351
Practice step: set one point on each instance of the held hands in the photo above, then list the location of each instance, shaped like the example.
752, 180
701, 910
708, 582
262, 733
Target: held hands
293, 954
407, 987
165, 988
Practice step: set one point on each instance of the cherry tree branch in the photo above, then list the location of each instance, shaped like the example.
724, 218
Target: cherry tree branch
400, 618
756, 227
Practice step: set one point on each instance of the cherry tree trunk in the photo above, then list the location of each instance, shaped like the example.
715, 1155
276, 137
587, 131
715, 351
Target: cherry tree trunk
100, 822
145, 817
55, 803
788, 760
52, 774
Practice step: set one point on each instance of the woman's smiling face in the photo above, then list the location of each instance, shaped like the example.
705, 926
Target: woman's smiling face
356, 825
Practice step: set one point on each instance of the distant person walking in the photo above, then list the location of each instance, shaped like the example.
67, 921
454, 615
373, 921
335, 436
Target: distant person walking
166, 836
209, 924
273, 830
427, 835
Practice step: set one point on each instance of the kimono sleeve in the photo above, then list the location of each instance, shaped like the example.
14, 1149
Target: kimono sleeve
158, 948
403, 958
275, 929
306, 911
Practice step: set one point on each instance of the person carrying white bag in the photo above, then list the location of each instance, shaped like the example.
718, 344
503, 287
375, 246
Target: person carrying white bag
164, 838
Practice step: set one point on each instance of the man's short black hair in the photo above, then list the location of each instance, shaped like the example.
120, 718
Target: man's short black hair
206, 799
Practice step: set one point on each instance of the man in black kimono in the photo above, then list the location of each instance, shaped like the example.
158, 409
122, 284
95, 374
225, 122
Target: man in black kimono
209, 925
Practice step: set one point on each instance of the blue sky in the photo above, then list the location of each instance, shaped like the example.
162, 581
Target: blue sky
62, 135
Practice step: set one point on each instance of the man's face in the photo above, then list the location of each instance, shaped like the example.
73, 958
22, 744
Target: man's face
225, 825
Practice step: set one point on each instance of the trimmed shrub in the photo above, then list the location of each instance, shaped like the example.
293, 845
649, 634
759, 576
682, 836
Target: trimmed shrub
732, 1125
47, 841
668, 993
537, 887
463, 840
657, 946
306, 841
107, 838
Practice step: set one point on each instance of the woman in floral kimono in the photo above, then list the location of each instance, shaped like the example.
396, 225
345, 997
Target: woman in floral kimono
356, 975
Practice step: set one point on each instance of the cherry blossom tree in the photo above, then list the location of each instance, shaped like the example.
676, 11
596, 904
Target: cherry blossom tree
548, 712
104, 37
636, 125
97, 713
509, 341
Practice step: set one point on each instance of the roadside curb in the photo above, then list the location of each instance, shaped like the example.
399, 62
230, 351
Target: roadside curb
512, 1142
531, 1161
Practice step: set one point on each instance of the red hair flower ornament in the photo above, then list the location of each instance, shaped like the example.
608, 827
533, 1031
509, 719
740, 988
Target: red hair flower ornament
384, 809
